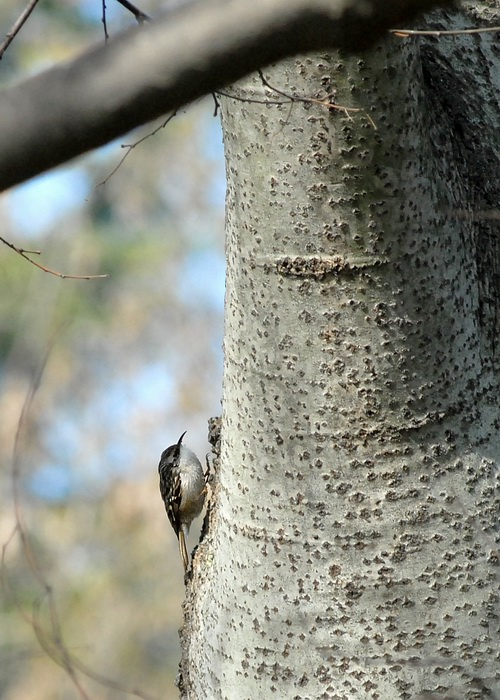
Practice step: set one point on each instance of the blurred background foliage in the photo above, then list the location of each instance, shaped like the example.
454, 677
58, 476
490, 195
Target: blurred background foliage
132, 360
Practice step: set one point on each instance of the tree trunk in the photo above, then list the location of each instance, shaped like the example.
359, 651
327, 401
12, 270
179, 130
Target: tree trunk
353, 542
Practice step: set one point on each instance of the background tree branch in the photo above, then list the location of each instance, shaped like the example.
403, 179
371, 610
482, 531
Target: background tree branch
149, 71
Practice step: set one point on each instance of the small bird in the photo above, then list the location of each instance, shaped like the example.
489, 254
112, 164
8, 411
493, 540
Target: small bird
183, 488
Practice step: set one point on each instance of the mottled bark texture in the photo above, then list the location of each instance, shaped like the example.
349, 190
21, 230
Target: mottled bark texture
353, 548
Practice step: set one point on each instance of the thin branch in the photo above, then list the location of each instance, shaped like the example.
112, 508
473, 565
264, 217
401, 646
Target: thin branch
104, 21
252, 100
49, 636
140, 16
216, 104
21, 529
328, 102
444, 32
24, 254
55, 648
9, 37
131, 147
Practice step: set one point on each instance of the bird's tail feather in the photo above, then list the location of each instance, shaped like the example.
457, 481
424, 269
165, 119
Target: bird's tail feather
183, 549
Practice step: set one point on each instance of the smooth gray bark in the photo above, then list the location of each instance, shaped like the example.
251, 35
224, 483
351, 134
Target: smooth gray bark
148, 72
353, 548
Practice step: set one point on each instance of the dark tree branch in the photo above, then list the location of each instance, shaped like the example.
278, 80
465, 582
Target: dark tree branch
140, 16
146, 72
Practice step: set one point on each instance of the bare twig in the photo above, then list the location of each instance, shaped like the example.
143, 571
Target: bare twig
131, 146
104, 21
22, 531
54, 648
9, 37
328, 102
140, 16
437, 33
252, 100
24, 254
49, 636
216, 104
